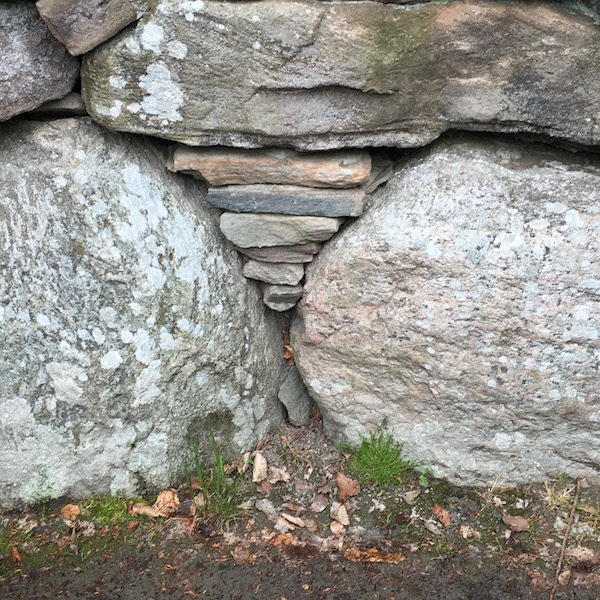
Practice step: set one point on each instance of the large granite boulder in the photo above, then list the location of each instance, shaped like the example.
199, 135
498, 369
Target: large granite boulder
126, 325
321, 75
34, 67
461, 312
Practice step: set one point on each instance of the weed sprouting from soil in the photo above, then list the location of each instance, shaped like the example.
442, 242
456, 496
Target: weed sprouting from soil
379, 461
107, 510
218, 498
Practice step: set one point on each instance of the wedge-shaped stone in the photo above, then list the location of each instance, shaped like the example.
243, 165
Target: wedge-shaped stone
303, 253
278, 273
34, 66
281, 297
289, 200
70, 106
249, 230
81, 25
224, 166
321, 75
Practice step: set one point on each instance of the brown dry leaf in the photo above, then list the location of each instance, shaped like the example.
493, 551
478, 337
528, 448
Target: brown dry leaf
339, 512
441, 514
564, 577
288, 354
311, 525
347, 486
319, 504
583, 557
276, 475
297, 521
142, 509
196, 485
16, 555
283, 525
372, 555
468, 532
515, 523
337, 528
411, 497
281, 540
167, 503
528, 557
259, 469
70, 512
242, 556
325, 489
585, 581
240, 464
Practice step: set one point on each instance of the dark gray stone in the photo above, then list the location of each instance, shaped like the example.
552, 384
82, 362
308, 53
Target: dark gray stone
281, 297
302, 253
278, 273
294, 396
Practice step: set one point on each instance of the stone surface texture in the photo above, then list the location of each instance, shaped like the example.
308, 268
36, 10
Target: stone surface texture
125, 322
71, 105
289, 200
302, 253
249, 230
278, 273
226, 166
281, 297
462, 313
34, 67
323, 75
81, 25
294, 396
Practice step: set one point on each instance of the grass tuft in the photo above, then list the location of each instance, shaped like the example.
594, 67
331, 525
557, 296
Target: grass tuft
107, 510
378, 460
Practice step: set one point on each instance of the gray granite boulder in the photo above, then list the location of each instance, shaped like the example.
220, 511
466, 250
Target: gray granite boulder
461, 312
126, 325
323, 75
34, 67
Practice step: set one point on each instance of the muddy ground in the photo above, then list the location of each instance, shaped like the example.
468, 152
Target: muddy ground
304, 533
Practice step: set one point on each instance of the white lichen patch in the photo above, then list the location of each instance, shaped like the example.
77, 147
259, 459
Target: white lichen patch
111, 360
177, 49
151, 37
164, 96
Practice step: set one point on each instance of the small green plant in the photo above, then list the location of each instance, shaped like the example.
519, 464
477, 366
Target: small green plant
423, 473
378, 460
218, 497
107, 510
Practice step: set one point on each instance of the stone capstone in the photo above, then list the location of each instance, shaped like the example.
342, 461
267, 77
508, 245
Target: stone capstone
248, 230
226, 166
278, 273
461, 313
294, 396
81, 25
289, 200
34, 67
323, 75
126, 324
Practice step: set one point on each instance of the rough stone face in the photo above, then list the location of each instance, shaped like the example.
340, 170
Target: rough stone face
462, 312
125, 322
302, 253
225, 166
294, 396
34, 67
278, 273
249, 230
281, 297
81, 25
289, 200
322, 75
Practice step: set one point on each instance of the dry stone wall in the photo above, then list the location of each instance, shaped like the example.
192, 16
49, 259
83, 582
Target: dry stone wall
455, 305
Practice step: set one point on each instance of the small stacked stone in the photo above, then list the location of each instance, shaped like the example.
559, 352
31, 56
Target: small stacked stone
279, 206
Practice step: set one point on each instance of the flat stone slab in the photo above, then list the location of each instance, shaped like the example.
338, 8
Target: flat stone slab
81, 25
279, 273
34, 66
249, 230
281, 297
71, 105
289, 200
322, 75
302, 253
225, 166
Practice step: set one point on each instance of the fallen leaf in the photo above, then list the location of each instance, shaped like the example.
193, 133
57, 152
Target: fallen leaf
564, 577
196, 485
581, 557
86, 529
297, 521
242, 556
267, 507
585, 581
372, 555
167, 503
347, 486
337, 528
266, 487
319, 504
282, 540
432, 527
294, 508
240, 464
339, 512
311, 525
259, 470
325, 489
411, 497
70, 512
515, 523
15, 554
441, 514
468, 532
142, 509
283, 525
528, 557
539, 581
133, 526
276, 475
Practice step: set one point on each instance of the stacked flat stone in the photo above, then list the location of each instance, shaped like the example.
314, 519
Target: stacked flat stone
279, 206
